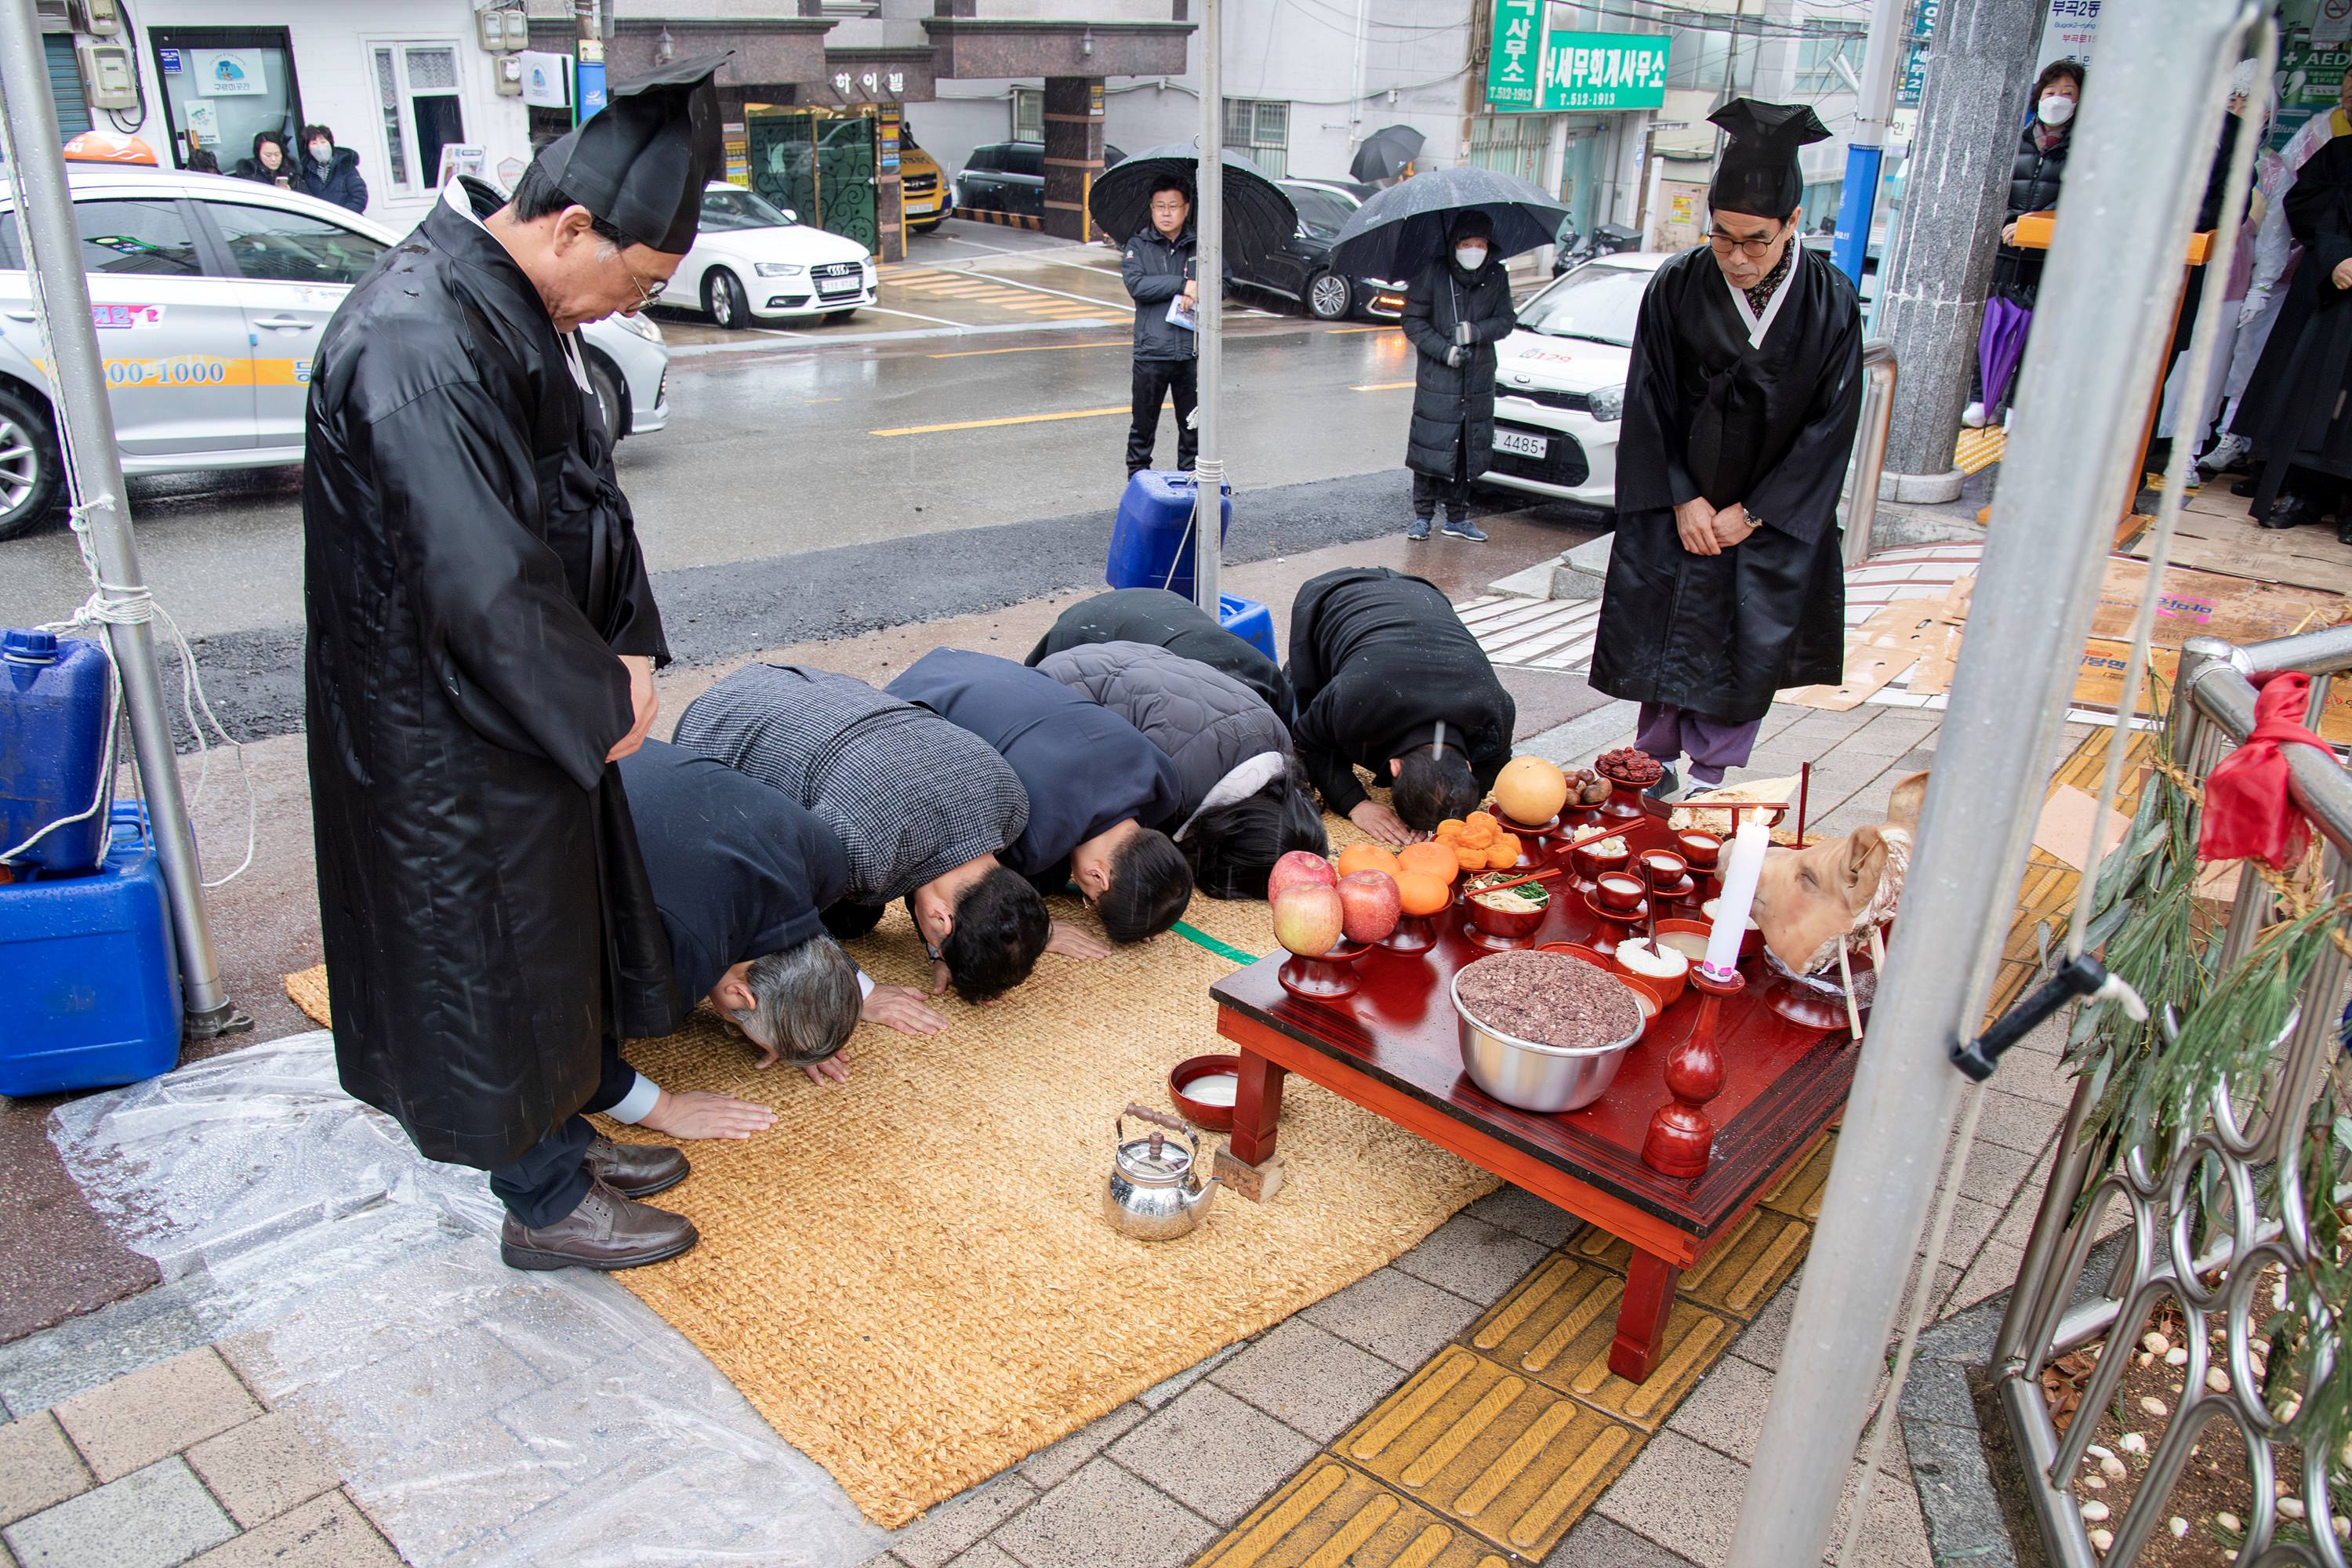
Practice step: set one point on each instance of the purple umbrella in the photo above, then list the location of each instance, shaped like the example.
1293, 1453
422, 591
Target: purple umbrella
2001, 344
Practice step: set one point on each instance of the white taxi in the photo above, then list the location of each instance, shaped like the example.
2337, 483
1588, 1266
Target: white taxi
1559, 383
210, 295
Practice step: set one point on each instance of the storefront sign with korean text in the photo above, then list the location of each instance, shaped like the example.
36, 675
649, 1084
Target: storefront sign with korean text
1534, 70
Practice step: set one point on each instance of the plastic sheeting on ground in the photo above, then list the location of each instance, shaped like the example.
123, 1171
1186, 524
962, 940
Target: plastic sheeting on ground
482, 1415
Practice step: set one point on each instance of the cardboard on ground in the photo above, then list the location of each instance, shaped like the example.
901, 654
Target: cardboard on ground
2064, 831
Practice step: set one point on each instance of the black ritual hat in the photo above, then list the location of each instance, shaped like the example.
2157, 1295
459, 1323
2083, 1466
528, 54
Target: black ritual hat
640, 164
1758, 174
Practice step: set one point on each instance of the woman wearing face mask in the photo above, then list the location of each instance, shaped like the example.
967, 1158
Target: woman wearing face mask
1455, 314
2033, 181
330, 172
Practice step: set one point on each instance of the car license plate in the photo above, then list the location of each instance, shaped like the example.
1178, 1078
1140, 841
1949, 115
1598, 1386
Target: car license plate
1524, 443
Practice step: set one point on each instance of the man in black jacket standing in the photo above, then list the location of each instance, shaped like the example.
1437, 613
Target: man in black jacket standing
1389, 677
1158, 271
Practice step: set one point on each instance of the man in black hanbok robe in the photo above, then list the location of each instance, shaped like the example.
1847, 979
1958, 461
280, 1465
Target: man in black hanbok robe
1724, 582
482, 638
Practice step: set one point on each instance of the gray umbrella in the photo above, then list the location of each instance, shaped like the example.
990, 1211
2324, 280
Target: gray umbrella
1385, 152
1405, 227
1258, 217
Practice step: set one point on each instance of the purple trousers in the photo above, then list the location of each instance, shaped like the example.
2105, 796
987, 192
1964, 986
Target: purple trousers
1668, 733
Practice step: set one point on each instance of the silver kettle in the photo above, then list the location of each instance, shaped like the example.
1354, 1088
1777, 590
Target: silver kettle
1155, 1192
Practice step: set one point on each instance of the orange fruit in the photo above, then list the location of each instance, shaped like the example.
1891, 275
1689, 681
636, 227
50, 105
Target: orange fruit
1469, 858
1485, 819
1368, 858
1438, 860
1450, 829
1476, 836
1419, 893
1505, 853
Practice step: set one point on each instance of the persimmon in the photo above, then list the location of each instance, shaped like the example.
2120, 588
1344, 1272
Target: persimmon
1419, 893
1505, 853
1485, 819
1471, 857
1368, 858
1438, 860
1450, 829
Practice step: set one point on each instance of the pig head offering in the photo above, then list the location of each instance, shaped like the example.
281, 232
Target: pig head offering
1812, 901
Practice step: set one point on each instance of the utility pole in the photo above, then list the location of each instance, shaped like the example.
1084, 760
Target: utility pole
1209, 252
86, 421
1866, 149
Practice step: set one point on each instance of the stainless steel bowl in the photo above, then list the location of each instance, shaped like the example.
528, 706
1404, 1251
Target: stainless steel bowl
1539, 1078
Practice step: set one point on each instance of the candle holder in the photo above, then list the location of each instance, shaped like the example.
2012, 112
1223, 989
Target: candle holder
1681, 1136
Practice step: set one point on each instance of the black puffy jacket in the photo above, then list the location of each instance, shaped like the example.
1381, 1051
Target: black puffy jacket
1454, 403
2034, 178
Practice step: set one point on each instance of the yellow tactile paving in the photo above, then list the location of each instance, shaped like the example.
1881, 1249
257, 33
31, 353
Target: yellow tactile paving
1977, 450
1330, 1515
1800, 1191
1739, 1274
1557, 1328
1491, 1451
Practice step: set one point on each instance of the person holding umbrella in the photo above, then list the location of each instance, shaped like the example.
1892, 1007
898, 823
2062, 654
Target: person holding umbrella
1158, 269
1725, 581
1457, 310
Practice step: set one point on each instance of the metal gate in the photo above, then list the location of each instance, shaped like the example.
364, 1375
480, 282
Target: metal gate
819, 163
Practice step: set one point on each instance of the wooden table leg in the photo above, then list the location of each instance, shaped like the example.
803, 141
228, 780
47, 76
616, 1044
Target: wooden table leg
1258, 1106
1641, 1320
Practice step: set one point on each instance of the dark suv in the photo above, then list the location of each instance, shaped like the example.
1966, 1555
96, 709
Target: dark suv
1010, 177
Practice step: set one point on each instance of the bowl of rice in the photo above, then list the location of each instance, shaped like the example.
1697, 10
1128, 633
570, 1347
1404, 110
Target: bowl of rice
1544, 1031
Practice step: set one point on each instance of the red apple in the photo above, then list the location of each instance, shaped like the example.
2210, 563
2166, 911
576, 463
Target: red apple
1308, 919
1370, 901
1300, 867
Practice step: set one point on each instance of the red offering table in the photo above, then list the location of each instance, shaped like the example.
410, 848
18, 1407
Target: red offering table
1393, 1047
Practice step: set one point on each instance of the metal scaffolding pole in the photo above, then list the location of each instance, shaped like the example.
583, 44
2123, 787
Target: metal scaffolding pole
1209, 469
2132, 187
1866, 145
86, 422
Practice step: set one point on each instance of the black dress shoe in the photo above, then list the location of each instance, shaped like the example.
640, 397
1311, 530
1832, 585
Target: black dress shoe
2288, 510
606, 1231
636, 1170
2344, 529
2244, 487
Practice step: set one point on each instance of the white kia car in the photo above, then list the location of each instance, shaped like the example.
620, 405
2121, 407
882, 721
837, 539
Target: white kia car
751, 260
210, 294
1559, 383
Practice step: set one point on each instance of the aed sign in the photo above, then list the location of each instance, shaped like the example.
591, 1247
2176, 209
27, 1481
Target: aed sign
1533, 69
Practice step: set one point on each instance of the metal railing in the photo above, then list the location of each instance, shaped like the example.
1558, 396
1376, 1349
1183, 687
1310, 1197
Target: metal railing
2246, 1148
1869, 449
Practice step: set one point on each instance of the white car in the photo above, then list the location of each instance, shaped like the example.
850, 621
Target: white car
751, 260
1559, 383
210, 294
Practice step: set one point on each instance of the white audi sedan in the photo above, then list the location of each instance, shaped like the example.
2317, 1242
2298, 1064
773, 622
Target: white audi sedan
1559, 383
210, 295
753, 261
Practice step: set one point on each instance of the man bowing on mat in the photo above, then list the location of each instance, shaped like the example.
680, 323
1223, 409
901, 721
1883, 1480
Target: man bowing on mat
1724, 580
482, 639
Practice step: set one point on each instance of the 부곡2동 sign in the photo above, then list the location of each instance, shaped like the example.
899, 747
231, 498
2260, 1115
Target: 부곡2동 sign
1533, 69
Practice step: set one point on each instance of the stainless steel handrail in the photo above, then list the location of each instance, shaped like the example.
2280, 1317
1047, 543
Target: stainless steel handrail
2214, 678
1870, 451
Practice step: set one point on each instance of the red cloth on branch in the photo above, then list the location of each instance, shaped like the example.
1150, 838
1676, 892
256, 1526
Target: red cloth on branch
2248, 813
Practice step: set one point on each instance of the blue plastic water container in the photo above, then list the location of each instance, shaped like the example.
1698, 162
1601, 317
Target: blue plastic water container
53, 695
90, 981
1250, 621
1151, 542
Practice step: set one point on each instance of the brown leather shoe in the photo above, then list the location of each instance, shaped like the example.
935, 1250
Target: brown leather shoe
606, 1231
636, 1170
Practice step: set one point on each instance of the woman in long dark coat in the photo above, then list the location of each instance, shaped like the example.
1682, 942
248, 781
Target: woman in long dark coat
1455, 314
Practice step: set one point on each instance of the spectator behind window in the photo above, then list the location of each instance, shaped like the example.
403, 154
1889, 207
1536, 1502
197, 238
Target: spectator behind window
332, 173
269, 164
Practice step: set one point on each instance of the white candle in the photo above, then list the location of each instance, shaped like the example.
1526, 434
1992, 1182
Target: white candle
1740, 878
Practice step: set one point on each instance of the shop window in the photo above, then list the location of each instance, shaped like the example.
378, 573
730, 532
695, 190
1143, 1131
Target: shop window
291, 248
1817, 71
148, 238
416, 94
1697, 60
1028, 114
1510, 144
1259, 130
223, 86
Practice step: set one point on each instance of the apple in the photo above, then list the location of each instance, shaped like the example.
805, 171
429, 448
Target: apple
1370, 901
1300, 867
1308, 919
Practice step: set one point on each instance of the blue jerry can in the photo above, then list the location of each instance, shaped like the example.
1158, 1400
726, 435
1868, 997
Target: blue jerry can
1151, 542
90, 981
1250, 621
52, 701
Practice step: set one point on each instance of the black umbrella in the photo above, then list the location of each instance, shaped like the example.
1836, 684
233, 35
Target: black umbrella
1404, 228
1258, 217
1385, 152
